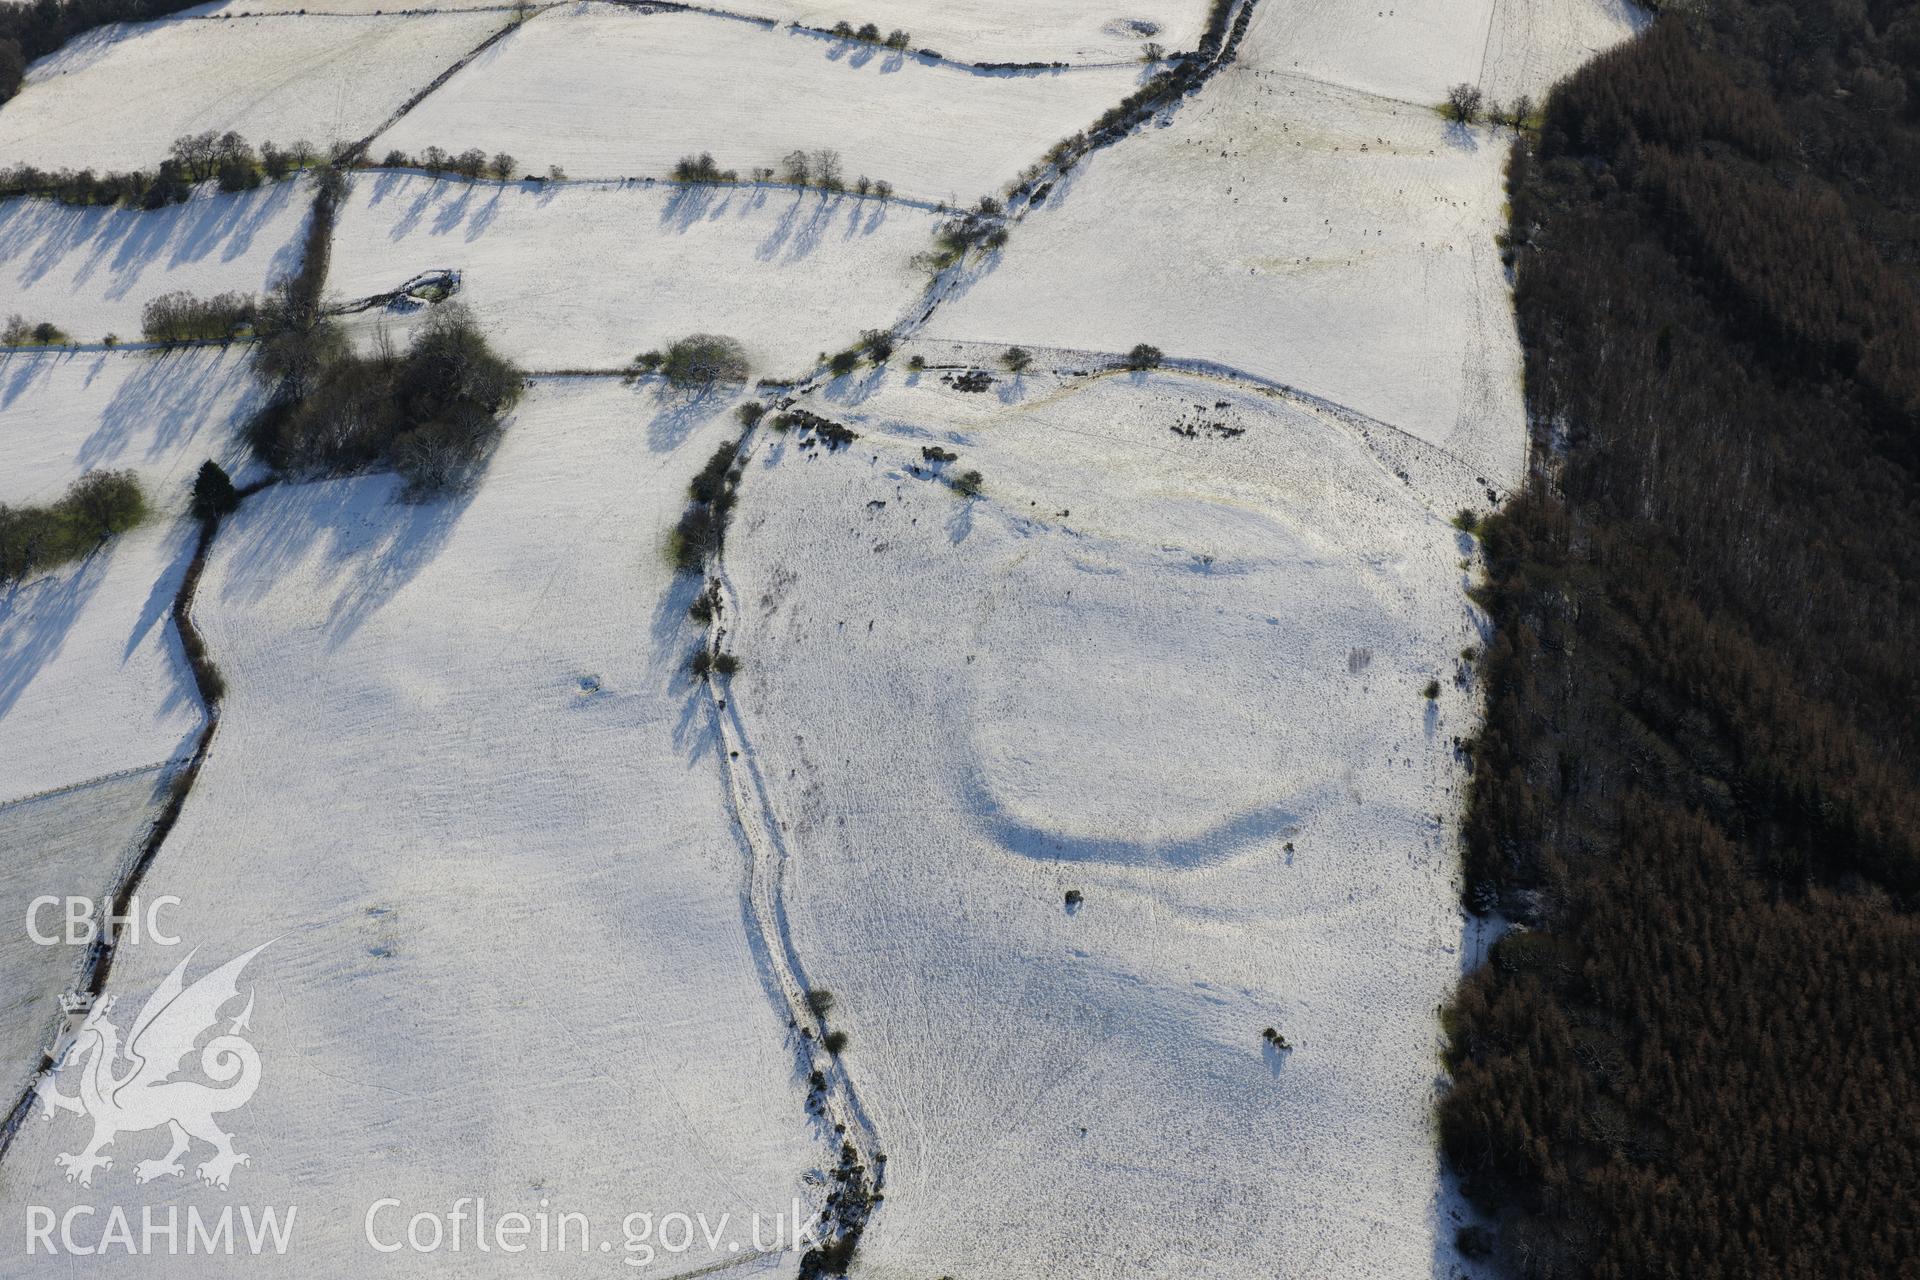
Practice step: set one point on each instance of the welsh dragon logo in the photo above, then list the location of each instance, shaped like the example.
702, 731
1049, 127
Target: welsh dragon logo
126, 1089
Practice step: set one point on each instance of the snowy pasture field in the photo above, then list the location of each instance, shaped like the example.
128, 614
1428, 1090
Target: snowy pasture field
78, 843
1414, 50
1354, 259
117, 97
991, 31
96, 706
606, 92
465, 783
580, 275
1063, 791
1183, 676
90, 270
92, 679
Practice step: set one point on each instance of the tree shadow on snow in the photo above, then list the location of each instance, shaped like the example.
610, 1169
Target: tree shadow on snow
678, 414
692, 204
169, 398
369, 544
1462, 138
35, 617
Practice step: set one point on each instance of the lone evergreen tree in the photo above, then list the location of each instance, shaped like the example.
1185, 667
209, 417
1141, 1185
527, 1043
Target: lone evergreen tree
213, 492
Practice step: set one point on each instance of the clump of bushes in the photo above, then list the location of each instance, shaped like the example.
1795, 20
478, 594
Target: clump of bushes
814, 169
1015, 359
868, 33
706, 606
95, 507
973, 380
815, 429
20, 332
967, 484
705, 664
181, 317
978, 228
874, 344
698, 362
432, 413
703, 525
701, 168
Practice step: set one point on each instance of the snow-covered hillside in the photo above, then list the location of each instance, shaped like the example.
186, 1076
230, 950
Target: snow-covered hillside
91, 676
117, 97
464, 780
1314, 236
76, 842
1414, 50
1089, 725
986, 31
605, 91
588, 275
90, 270
1172, 660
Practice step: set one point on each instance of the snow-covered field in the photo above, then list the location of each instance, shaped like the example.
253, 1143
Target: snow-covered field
990, 31
582, 275
1314, 236
1414, 50
74, 843
607, 92
465, 783
117, 97
91, 270
1064, 792
96, 705
91, 675
1183, 676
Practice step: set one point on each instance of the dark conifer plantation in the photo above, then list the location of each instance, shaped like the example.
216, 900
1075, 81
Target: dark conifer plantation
1697, 786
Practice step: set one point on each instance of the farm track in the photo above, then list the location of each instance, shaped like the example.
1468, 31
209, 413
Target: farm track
834, 1104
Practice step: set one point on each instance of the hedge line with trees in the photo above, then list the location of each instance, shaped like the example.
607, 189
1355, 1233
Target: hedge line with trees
95, 507
226, 158
1697, 788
